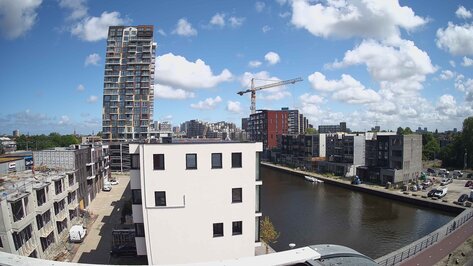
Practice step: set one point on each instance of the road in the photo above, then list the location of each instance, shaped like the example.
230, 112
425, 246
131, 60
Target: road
444, 247
108, 206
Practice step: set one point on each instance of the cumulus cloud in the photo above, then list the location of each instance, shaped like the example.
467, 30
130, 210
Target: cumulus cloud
92, 59
381, 20
347, 89
465, 86
463, 13
311, 98
64, 120
447, 105
17, 17
259, 6
456, 39
92, 99
272, 58
274, 93
176, 71
446, 75
167, 92
467, 61
254, 63
218, 20
236, 22
93, 29
80, 88
78, 8
452, 63
266, 28
184, 28
234, 107
207, 104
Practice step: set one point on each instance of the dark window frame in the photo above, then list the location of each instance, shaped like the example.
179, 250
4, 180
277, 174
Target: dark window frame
135, 198
160, 198
139, 229
158, 161
237, 228
216, 166
187, 161
218, 230
237, 161
135, 161
237, 195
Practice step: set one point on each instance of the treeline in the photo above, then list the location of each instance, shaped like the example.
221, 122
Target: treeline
41, 142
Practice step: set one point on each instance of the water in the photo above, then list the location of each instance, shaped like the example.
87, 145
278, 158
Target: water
306, 214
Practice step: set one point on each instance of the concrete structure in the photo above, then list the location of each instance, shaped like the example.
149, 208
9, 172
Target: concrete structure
36, 211
7, 145
333, 128
266, 125
128, 100
392, 158
11, 164
200, 197
89, 162
302, 150
16, 133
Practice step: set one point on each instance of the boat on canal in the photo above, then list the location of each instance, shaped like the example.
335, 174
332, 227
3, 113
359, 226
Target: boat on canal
313, 179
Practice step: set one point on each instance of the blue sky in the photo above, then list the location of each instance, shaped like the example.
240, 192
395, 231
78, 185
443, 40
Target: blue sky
394, 63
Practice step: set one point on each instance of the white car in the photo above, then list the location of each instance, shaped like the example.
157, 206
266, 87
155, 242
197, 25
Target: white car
107, 188
114, 182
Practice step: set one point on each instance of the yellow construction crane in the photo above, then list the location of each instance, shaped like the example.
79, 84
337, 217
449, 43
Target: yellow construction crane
253, 90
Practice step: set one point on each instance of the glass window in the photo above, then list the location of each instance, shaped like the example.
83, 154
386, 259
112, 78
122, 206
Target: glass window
191, 161
218, 229
216, 160
135, 161
136, 196
236, 159
160, 198
139, 230
236, 195
237, 228
158, 161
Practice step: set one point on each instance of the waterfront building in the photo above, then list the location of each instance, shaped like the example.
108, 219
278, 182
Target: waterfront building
198, 196
88, 162
342, 127
392, 158
302, 150
36, 211
265, 126
128, 99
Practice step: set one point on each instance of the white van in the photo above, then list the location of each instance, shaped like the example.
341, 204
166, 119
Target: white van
441, 192
77, 233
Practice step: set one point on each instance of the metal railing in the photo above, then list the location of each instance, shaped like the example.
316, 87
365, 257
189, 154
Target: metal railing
402, 254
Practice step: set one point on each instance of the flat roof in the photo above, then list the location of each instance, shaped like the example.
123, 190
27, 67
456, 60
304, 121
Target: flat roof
10, 159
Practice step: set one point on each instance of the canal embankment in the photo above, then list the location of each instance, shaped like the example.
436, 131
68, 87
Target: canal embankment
375, 190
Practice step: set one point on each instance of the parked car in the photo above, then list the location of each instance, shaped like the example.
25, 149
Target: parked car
462, 198
431, 171
413, 188
468, 183
107, 187
446, 181
77, 233
431, 193
457, 174
114, 182
443, 172
427, 183
123, 250
441, 192
470, 176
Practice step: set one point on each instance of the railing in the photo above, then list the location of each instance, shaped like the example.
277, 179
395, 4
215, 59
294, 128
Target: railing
402, 254
46, 229
27, 247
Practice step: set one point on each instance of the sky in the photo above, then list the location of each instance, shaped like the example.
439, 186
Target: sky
367, 62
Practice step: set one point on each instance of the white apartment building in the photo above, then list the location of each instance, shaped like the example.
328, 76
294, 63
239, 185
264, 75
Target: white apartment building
195, 202
36, 212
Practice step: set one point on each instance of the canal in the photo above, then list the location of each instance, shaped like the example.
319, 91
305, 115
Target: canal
306, 213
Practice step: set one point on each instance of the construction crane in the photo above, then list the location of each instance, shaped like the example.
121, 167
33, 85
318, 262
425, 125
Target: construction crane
254, 89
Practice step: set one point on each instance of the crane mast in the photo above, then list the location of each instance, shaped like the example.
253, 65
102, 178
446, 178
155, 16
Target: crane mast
254, 89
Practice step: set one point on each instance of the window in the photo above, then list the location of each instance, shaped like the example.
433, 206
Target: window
1, 243
236, 159
191, 161
17, 210
58, 186
236, 195
135, 161
47, 241
218, 229
160, 198
158, 161
237, 228
136, 196
22, 237
61, 225
216, 160
139, 230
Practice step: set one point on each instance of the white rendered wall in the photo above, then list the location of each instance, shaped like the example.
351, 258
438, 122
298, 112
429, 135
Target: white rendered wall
182, 232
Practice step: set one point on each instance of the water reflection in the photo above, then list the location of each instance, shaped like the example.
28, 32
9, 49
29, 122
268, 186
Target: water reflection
308, 213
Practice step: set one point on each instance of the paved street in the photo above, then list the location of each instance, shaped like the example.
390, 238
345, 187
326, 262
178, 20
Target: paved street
108, 206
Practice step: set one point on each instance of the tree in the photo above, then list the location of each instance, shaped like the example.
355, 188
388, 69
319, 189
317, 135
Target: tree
400, 131
268, 233
431, 146
467, 137
407, 131
311, 131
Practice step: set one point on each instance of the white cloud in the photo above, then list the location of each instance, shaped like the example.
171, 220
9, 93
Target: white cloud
93, 29
236, 22
80, 88
344, 19
177, 72
92, 59
64, 120
446, 75
254, 63
259, 6
285, 14
184, 28
17, 17
272, 58
467, 61
167, 92
447, 105
92, 99
456, 39
207, 104
465, 86
218, 20
162, 32
78, 8
266, 28
281, 2
452, 63
234, 107
273, 93
347, 89
463, 13
311, 98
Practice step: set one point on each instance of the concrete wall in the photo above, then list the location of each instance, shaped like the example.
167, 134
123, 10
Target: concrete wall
19, 166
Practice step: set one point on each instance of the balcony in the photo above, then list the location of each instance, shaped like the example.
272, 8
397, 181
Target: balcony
60, 196
73, 187
46, 229
23, 222
27, 247
46, 206
62, 215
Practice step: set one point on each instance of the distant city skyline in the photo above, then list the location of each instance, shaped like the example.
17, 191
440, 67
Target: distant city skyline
387, 63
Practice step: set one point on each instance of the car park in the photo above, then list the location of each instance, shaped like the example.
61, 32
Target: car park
427, 183
431, 192
107, 187
114, 182
457, 174
446, 181
462, 198
441, 192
